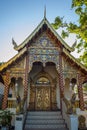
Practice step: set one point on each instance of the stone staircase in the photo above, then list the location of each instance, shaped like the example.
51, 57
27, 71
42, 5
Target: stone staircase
44, 120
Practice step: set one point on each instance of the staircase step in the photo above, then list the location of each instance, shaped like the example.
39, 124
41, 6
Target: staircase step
50, 121
44, 120
45, 126
44, 117
43, 113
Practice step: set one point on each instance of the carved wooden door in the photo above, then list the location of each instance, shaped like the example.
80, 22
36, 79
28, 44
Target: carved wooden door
42, 98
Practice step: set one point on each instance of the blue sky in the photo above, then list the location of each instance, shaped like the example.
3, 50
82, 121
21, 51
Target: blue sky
18, 18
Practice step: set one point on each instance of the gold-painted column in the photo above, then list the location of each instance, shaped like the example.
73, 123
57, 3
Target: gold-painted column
6, 89
61, 84
26, 76
80, 92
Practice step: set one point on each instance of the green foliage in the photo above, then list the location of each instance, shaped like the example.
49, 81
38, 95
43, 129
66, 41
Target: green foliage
57, 22
5, 117
76, 3
64, 34
80, 28
78, 10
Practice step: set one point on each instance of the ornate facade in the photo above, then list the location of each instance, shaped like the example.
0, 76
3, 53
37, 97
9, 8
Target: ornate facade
43, 71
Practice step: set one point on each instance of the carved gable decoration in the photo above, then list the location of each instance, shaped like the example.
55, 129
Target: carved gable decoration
43, 50
43, 41
18, 65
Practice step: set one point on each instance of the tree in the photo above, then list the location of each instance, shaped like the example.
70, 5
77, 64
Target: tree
79, 28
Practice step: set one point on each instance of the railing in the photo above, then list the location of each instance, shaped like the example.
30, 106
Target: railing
11, 103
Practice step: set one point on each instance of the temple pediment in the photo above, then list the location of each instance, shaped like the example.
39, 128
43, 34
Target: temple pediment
46, 27
44, 44
43, 41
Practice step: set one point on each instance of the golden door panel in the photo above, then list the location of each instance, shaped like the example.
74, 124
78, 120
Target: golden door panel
42, 98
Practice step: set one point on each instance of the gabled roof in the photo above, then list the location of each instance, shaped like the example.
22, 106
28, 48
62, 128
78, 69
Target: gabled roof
75, 60
6, 64
22, 47
44, 21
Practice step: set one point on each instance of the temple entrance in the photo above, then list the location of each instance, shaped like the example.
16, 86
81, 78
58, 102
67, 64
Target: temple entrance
44, 92
43, 98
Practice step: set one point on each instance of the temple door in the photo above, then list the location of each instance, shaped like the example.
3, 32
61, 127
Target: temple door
43, 98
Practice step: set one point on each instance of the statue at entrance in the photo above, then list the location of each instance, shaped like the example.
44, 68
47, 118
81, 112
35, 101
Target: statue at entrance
20, 104
70, 104
18, 100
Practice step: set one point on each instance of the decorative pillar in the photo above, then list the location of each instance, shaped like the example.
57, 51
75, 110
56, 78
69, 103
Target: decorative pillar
61, 84
80, 92
26, 76
6, 89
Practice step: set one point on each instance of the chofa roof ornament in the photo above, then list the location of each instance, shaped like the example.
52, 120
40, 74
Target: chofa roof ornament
14, 43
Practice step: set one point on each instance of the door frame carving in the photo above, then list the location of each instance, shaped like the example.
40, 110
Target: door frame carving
52, 85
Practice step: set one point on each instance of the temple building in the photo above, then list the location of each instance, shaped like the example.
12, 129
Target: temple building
43, 72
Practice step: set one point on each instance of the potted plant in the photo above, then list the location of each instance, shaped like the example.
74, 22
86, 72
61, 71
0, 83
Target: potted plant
5, 119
